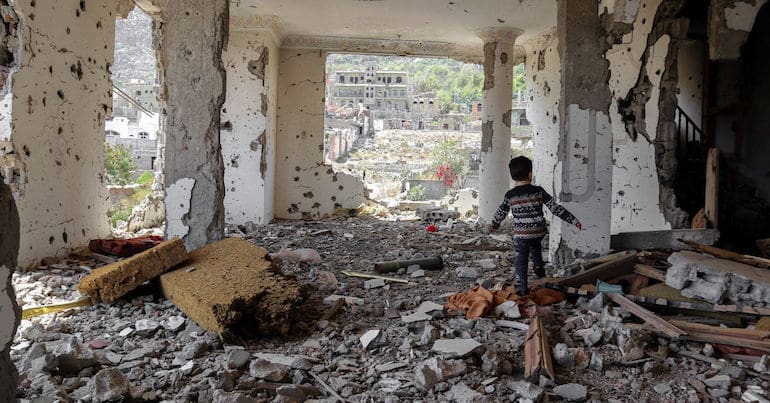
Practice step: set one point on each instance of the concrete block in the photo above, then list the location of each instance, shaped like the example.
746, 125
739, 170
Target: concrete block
705, 290
111, 282
231, 286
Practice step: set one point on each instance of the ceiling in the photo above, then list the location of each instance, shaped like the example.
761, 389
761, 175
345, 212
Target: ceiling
449, 21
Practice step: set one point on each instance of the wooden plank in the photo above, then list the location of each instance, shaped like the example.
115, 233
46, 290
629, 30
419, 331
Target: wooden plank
729, 255
638, 283
664, 326
587, 264
760, 345
606, 271
694, 306
712, 187
537, 351
751, 334
651, 272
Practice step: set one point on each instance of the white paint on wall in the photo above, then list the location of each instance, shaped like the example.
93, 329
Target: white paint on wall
248, 134
178, 197
61, 96
305, 187
635, 184
587, 184
741, 16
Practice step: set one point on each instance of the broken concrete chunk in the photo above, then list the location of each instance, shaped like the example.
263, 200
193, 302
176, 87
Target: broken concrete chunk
111, 282
461, 393
374, 283
718, 382
234, 286
108, 385
237, 358
423, 312
372, 339
526, 390
467, 272
455, 348
303, 255
263, 369
146, 327
508, 309
331, 299
572, 392
432, 371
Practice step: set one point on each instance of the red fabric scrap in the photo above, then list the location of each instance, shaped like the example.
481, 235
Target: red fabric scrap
124, 247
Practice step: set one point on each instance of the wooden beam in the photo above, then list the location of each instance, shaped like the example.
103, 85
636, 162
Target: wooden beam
650, 272
662, 325
537, 351
607, 271
712, 188
729, 255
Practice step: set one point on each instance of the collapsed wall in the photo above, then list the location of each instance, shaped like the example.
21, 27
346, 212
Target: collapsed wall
305, 187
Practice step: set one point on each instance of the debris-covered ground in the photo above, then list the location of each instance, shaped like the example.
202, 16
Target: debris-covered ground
390, 342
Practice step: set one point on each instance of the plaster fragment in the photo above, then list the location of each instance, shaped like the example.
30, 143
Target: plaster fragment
178, 199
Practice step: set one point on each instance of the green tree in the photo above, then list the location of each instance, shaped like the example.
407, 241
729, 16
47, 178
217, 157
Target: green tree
118, 164
448, 162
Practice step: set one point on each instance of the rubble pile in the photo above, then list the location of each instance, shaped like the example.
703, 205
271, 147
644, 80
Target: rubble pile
380, 336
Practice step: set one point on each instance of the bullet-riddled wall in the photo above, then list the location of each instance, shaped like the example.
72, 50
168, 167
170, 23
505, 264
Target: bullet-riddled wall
305, 187
61, 96
249, 126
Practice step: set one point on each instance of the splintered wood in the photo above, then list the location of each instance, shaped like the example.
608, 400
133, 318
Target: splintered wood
537, 351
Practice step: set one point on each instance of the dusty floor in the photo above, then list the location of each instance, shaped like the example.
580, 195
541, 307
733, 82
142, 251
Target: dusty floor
165, 356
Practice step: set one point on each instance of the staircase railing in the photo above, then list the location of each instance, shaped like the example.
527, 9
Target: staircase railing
688, 132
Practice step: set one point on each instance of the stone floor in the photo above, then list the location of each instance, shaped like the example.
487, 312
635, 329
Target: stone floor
142, 348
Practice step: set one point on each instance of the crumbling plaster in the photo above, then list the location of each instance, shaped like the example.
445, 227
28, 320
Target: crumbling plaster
730, 23
61, 96
191, 36
249, 126
305, 187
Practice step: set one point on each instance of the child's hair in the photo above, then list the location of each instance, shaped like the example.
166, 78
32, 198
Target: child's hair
520, 168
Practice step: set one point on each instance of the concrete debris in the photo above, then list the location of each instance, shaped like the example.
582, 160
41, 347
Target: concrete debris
508, 309
304, 255
572, 392
717, 280
455, 348
111, 282
234, 288
268, 371
374, 283
372, 339
389, 344
108, 385
467, 272
436, 214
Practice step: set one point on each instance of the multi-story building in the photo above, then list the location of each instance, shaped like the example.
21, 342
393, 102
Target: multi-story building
376, 90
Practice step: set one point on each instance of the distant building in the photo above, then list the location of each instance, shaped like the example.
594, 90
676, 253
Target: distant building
376, 90
132, 127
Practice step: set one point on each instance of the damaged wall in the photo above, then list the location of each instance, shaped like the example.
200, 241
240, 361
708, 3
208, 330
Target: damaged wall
306, 187
643, 81
730, 22
249, 126
192, 37
61, 96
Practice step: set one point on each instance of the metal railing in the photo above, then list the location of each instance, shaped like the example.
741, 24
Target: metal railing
688, 132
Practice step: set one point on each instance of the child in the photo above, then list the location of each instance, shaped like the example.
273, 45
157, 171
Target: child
525, 201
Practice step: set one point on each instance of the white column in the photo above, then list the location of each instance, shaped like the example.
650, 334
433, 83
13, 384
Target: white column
494, 177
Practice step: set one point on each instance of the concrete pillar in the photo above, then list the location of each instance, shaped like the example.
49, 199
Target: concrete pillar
10, 314
583, 172
192, 38
494, 177
249, 126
